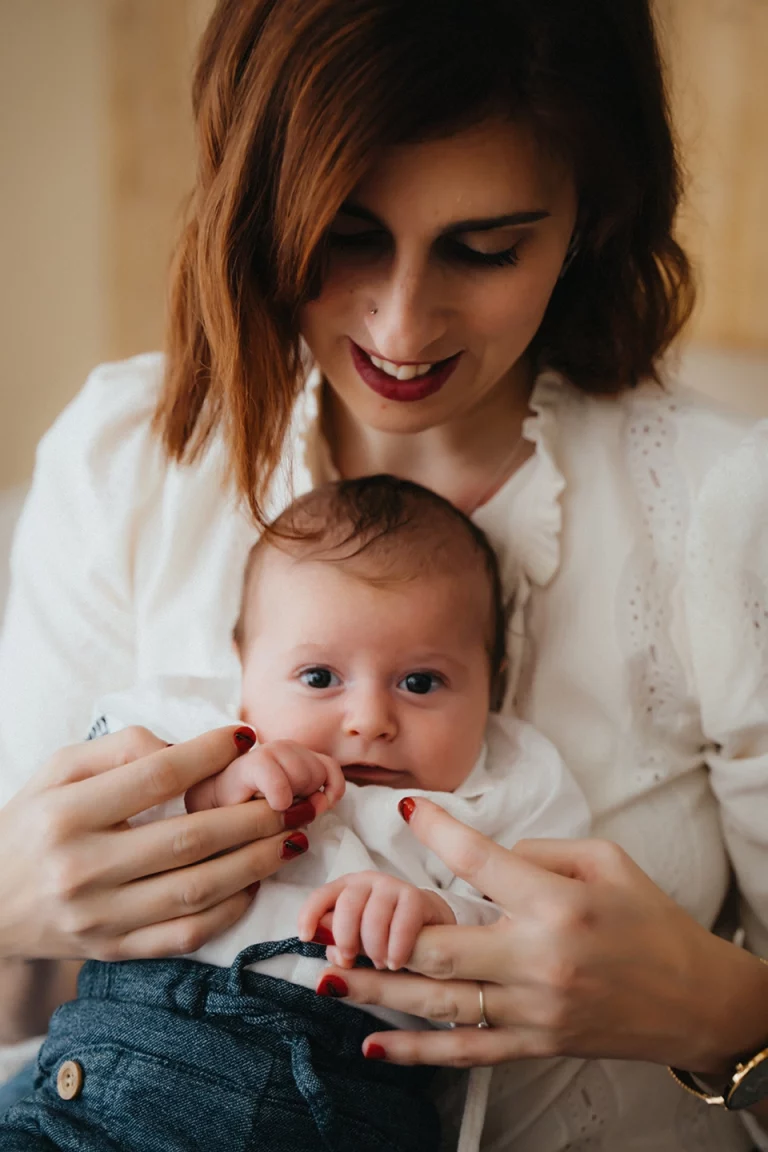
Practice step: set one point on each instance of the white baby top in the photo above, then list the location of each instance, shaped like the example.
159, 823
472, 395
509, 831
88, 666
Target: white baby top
640, 524
518, 788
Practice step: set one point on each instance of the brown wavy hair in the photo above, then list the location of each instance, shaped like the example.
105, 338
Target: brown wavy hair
293, 102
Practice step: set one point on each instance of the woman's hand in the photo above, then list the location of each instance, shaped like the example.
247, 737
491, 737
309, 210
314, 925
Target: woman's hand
77, 881
591, 959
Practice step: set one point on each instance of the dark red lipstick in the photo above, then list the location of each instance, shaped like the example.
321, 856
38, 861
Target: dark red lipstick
402, 390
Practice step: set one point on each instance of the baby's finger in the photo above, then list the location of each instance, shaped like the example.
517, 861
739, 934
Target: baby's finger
335, 783
317, 905
375, 928
235, 785
407, 921
264, 770
303, 768
347, 917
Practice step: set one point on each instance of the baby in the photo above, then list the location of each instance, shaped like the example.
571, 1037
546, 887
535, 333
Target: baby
371, 640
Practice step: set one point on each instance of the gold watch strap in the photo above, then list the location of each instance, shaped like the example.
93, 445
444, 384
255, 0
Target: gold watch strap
686, 1081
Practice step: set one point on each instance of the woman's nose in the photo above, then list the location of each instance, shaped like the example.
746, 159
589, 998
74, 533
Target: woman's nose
370, 716
408, 317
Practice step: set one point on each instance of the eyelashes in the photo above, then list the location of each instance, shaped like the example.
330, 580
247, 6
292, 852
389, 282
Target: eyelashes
452, 251
508, 258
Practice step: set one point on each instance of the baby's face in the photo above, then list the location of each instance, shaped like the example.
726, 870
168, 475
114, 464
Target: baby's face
392, 681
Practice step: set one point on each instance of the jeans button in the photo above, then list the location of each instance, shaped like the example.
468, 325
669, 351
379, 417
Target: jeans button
69, 1080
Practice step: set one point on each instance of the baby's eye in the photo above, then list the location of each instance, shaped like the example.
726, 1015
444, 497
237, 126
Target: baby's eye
420, 683
318, 678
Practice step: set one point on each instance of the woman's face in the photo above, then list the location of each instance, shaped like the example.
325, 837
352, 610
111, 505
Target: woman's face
443, 258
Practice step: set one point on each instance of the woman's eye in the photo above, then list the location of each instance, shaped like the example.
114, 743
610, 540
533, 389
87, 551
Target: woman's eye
420, 683
318, 678
506, 258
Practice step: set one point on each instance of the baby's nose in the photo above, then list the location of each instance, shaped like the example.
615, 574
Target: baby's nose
371, 716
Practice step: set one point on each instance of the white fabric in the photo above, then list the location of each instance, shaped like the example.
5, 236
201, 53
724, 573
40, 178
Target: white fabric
518, 788
640, 525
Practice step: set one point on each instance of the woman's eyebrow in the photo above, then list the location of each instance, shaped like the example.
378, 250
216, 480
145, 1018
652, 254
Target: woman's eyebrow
482, 224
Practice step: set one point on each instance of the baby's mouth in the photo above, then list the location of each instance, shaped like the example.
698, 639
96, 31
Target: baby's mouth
364, 773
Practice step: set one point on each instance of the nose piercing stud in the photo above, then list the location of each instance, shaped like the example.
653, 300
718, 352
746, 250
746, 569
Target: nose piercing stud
374, 311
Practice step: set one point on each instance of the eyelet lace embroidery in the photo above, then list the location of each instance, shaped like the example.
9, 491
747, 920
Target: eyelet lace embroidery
665, 716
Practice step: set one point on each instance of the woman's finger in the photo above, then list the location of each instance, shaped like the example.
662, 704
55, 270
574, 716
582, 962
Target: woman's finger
444, 1002
447, 952
179, 937
176, 842
585, 860
113, 797
183, 892
94, 757
509, 880
457, 1048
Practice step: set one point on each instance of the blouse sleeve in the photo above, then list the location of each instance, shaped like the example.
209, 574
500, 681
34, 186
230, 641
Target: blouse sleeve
726, 603
68, 633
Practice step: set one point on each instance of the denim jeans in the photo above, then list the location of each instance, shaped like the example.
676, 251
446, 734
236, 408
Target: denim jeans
17, 1087
177, 1055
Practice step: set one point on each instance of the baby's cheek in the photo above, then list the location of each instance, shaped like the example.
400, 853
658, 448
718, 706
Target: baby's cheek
449, 755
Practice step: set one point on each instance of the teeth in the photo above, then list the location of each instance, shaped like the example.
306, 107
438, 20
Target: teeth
404, 371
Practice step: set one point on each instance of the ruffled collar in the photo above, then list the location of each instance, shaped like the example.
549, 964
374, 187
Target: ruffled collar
523, 519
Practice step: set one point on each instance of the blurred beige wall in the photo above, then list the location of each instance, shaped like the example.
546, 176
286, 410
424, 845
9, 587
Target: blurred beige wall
52, 204
97, 155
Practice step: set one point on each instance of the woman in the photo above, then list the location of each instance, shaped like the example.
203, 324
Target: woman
461, 218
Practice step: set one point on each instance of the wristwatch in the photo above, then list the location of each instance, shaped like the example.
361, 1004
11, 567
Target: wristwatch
748, 1084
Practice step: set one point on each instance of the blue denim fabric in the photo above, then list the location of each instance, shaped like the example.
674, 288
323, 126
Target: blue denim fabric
179, 1055
17, 1087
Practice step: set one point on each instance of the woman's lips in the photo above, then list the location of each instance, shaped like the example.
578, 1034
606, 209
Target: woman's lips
404, 390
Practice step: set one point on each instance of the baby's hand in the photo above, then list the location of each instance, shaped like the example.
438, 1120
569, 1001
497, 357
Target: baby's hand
278, 771
372, 913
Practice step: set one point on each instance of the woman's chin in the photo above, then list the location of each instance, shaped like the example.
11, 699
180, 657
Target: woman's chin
395, 417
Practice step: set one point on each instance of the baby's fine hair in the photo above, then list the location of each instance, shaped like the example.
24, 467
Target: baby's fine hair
388, 530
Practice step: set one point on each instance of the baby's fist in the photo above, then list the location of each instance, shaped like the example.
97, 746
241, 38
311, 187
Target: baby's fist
374, 914
279, 771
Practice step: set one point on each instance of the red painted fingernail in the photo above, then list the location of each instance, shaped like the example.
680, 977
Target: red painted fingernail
333, 986
323, 936
298, 814
374, 1052
245, 738
406, 808
252, 889
295, 845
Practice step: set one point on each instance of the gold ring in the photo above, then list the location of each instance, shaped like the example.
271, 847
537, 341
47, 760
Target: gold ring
483, 1019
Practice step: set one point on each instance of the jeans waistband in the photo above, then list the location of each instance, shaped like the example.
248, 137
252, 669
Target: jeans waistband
252, 999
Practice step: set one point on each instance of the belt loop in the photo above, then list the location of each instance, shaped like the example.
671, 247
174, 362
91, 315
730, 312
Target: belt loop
265, 951
247, 956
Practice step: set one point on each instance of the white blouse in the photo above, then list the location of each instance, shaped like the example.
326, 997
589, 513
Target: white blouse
640, 527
